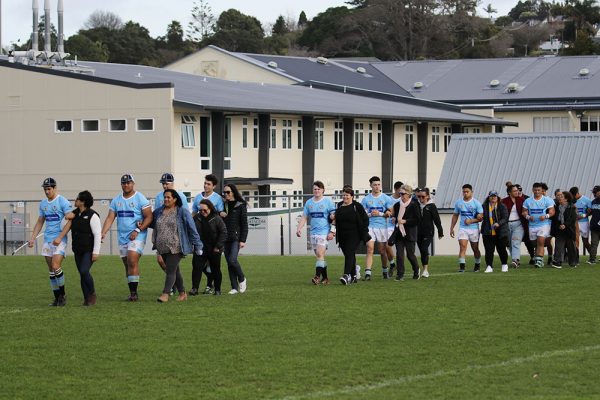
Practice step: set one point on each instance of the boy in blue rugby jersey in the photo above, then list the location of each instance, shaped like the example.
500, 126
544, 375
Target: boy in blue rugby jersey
538, 210
470, 212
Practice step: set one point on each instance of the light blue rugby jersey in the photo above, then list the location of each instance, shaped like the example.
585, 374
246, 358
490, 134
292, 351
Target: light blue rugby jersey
160, 199
53, 212
214, 198
129, 213
380, 203
536, 209
390, 221
468, 210
319, 212
583, 205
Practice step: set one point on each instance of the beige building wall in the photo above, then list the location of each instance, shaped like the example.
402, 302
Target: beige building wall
329, 162
244, 161
30, 105
405, 157
436, 154
526, 120
217, 64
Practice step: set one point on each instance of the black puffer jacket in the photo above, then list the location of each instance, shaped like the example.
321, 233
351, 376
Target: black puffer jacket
499, 216
429, 217
212, 230
236, 221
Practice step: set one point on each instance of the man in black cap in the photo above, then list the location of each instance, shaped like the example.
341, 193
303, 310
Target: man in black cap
52, 211
595, 224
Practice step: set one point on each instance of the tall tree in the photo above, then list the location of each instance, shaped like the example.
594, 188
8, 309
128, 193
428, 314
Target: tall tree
280, 26
302, 20
235, 31
490, 10
202, 24
174, 35
103, 19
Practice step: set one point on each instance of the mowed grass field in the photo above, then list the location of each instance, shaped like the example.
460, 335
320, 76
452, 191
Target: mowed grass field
525, 334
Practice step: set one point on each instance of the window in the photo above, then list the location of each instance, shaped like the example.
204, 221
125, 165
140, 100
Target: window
589, 123
409, 138
299, 133
245, 133
63, 126
358, 136
551, 124
338, 135
286, 134
205, 143
227, 149
435, 139
370, 136
255, 133
273, 138
144, 124
117, 125
297, 199
188, 141
319, 133
90, 125
447, 137
379, 137
273, 199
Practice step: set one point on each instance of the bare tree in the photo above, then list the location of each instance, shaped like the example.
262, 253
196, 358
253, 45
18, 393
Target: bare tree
103, 19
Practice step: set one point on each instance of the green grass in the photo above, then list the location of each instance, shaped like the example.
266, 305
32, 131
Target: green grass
526, 334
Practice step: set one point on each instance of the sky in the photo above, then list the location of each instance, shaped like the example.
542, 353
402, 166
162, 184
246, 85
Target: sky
155, 15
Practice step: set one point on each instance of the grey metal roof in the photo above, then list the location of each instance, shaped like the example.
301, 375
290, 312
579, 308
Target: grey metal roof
221, 95
339, 72
463, 81
487, 162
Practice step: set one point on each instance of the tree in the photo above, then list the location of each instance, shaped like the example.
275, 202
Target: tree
280, 27
235, 31
85, 49
203, 20
490, 10
103, 19
174, 35
302, 20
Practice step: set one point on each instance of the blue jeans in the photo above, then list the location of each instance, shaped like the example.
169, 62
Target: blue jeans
236, 275
516, 237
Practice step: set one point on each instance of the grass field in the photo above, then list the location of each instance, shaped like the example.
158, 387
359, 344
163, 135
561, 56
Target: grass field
526, 334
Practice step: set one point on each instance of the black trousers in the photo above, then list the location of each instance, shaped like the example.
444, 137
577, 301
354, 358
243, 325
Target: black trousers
493, 243
423, 243
84, 265
404, 244
562, 243
199, 263
349, 247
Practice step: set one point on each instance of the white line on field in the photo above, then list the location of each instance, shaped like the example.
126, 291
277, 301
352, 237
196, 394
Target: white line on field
15, 311
438, 374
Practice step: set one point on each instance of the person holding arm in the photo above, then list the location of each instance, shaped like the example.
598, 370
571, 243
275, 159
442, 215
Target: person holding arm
430, 219
174, 236
470, 212
563, 230
407, 217
235, 215
495, 232
538, 210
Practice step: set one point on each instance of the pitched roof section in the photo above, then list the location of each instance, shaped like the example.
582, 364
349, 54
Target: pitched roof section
487, 162
221, 95
541, 79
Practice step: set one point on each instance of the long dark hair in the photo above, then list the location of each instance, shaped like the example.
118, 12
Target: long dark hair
210, 205
236, 193
175, 195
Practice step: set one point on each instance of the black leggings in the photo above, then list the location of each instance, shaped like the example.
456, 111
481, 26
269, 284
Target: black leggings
499, 244
84, 265
349, 248
423, 243
199, 265
173, 272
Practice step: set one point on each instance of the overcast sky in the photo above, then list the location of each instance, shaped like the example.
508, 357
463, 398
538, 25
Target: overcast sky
155, 15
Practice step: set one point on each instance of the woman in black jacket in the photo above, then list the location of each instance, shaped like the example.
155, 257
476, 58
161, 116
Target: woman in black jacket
495, 232
352, 227
563, 229
213, 233
235, 216
430, 219
407, 215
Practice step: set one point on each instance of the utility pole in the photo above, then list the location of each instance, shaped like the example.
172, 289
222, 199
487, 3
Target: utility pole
1, 49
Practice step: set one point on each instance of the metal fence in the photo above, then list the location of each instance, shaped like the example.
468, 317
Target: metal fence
272, 229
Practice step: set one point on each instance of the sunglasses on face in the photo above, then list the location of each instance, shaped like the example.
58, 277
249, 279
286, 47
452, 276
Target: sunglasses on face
421, 197
402, 193
204, 210
226, 191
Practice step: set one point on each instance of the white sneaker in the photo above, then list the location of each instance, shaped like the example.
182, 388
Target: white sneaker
358, 272
243, 285
489, 269
425, 274
504, 268
233, 291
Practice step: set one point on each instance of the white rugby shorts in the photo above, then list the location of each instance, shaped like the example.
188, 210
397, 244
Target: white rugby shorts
49, 250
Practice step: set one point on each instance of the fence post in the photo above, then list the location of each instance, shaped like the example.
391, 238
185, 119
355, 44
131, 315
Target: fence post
289, 225
281, 234
4, 236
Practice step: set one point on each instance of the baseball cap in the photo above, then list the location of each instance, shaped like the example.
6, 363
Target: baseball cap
493, 193
167, 177
127, 178
49, 182
596, 189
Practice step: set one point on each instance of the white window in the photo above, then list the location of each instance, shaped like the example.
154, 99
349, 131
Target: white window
227, 149
338, 135
286, 134
273, 138
90, 125
63, 126
589, 123
245, 133
117, 125
379, 137
299, 134
188, 141
358, 136
447, 137
255, 134
274, 199
551, 124
319, 134
205, 144
435, 139
297, 199
144, 124
370, 136
409, 139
